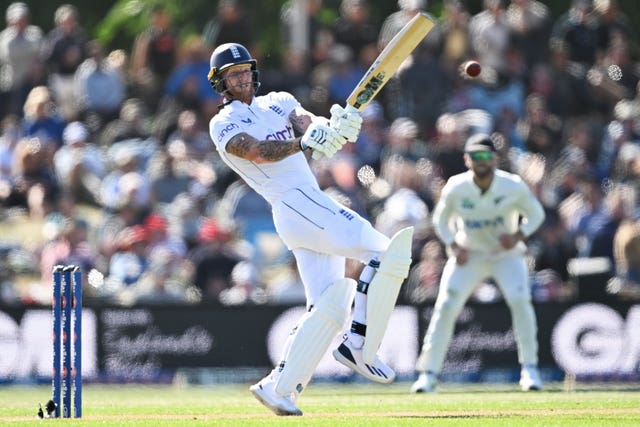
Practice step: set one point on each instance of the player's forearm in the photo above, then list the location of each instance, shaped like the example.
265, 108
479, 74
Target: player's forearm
272, 152
266, 151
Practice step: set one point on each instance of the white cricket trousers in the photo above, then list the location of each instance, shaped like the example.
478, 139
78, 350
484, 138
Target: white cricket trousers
322, 233
456, 285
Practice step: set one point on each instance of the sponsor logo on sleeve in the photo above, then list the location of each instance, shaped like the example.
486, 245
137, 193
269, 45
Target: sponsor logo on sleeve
281, 135
228, 128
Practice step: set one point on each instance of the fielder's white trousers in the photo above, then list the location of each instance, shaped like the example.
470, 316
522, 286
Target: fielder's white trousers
509, 270
322, 233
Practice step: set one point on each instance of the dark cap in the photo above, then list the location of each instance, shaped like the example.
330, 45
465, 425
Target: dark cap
479, 142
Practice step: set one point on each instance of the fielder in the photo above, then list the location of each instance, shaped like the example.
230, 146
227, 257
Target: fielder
478, 218
256, 137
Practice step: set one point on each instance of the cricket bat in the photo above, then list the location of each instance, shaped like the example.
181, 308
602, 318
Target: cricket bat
388, 62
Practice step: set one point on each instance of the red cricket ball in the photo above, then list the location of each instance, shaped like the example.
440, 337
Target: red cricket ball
472, 68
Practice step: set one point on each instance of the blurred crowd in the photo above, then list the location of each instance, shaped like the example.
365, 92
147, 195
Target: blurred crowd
107, 153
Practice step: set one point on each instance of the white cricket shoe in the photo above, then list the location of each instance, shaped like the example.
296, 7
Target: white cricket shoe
265, 392
530, 378
351, 357
426, 383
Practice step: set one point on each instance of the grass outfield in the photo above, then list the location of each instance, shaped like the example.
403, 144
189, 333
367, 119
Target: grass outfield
331, 405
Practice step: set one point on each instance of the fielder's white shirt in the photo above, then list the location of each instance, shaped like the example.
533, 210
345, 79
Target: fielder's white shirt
266, 118
475, 220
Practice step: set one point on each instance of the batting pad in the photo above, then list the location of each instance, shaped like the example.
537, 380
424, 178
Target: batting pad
314, 335
384, 289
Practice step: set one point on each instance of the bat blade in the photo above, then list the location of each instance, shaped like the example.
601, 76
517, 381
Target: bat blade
390, 59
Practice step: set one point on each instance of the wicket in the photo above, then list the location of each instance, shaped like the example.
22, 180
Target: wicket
67, 294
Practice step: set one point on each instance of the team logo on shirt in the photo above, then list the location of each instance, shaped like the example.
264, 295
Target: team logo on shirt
467, 204
247, 120
498, 199
279, 111
346, 214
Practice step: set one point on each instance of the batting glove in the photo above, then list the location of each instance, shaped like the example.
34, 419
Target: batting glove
322, 139
347, 121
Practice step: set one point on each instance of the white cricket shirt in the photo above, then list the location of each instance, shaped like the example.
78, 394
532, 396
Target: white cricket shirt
475, 220
266, 118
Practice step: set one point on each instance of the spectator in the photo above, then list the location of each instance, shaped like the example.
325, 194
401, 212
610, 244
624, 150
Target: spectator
294, 20
132, 123
614, 24
394, 22
184, 219
562, 84
627, 259
615, 76
404, 207
124, 184
345, 186
41, 119
35, 186
187, 86
424, 277
213, 259
372, 136
529, 23
354, 28
65, 48
538, 130
344, 75
552, 246
190, 131
456, 46
245, 286
70, 247
101, 87
10, 135
130, 261
286, 287
404, 141
79, 165
168, 176
578, 30
153, 57
165, 281
419, 91
159, 238
231, 24
20, 45
489, 33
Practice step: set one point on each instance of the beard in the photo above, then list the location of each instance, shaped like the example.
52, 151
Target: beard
483, 171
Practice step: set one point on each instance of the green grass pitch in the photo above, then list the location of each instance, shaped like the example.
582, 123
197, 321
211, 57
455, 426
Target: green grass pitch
362, 404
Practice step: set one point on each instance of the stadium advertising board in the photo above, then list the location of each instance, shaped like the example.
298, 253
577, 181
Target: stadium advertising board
154, 343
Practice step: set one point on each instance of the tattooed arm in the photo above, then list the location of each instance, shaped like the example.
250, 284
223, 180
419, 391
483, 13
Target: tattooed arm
249, 148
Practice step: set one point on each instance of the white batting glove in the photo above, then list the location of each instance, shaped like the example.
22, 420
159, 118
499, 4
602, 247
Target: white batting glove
322, 139
347, 121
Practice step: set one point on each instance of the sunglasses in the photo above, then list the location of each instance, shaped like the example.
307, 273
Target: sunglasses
481, 155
